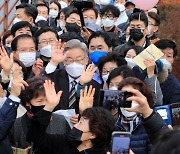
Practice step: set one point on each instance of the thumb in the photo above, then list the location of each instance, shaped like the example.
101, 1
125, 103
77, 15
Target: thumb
11, 56
59, 94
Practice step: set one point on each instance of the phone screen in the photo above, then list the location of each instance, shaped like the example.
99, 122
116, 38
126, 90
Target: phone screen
121, 144
111, 99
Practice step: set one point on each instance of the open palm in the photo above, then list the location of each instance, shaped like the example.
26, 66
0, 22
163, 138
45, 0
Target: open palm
88, 74
86, 98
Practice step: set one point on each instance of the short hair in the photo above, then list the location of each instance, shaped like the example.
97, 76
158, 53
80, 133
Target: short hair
43, 5
103, 35
65, 10
34, 89
111, 57
29, 10
44, 30
101, 124
137, 49
123, 71
139, 16
5, 36
67, 36
139, 85
75, 43
93, 9
155, 17
70, 11
16, 39
110, 8
168, 142
166, 43
19, 25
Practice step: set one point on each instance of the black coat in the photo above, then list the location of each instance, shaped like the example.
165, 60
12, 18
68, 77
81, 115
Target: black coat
61, 80
52, 143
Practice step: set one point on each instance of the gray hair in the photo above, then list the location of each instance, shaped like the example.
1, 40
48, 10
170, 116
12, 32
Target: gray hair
75, 43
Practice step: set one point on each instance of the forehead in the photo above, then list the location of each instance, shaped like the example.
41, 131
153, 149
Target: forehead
97, 41
74, 16
109, 65
137, 23
29, 42
42, 8
168, 51
89, 12
75, 52
47, 35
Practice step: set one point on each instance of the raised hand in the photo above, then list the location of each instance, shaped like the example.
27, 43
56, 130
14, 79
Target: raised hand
58, 54
150, 64
86, 98
37, 67
87, 74
139, 98
6, 62
18, 84
85, 34
51, 96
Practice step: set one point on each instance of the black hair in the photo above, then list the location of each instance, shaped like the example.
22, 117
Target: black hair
103, 35
44, 30
19, 25
139, 16
155, 17
139, 85
34, 89
5, 36
165, 43
44, 6
29, 10
65, 37
93, 9
138, 49
110, 8
35, 2
42, 24
111, 57
101, 124
123, 71
70, 11
57, 3
65, 10
16, 39
168, 142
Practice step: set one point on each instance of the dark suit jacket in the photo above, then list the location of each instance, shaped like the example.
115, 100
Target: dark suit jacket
61, 80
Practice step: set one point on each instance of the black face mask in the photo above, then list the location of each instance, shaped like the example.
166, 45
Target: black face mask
136, 34
72, 27
35, 109
74, 137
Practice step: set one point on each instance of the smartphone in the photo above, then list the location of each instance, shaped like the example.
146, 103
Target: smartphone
111, 99
175, 109
120, 142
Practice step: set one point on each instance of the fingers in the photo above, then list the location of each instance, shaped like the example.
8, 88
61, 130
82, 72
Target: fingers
87, 92
3, 51
59, 94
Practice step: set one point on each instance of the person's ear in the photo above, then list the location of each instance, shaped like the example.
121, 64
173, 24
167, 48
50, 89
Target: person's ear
31, 20
156, 29
115, 18
86, 60
93, 136
110, 49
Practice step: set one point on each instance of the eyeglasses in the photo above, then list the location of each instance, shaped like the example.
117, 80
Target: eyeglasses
46, 42
70, 61
110, 16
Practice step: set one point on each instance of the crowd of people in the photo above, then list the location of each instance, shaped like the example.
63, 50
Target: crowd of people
53, 68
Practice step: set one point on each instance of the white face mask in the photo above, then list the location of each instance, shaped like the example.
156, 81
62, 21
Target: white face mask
74, 70
107, 22
89, 21
38, 18
46, 51
27, 58
113, 88
105, 77
60, 24
63, 4
53, 13
16, 20
127, 113
130, 62
104, 2
166, 64
127, 39
98, 22
149, 30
